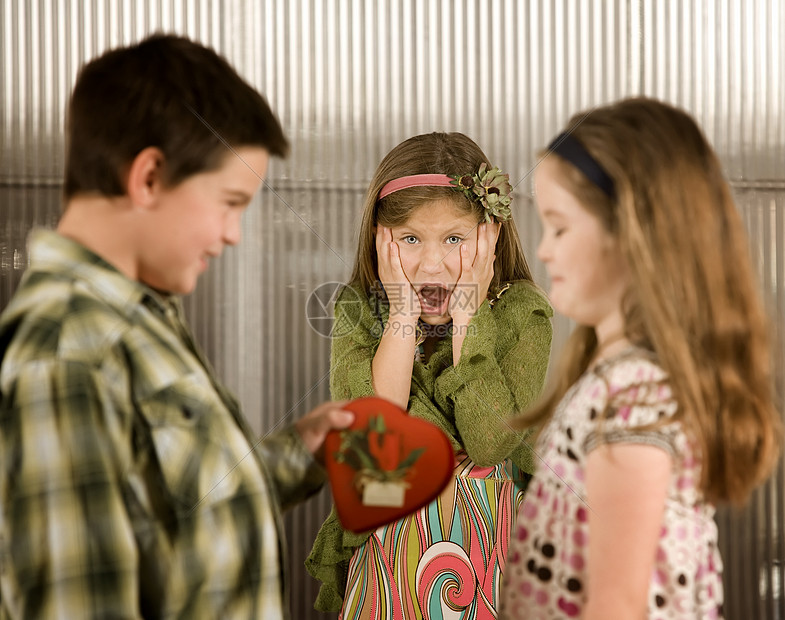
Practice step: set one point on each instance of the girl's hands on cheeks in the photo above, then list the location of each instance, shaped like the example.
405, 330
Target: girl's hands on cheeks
404, 303
476, 275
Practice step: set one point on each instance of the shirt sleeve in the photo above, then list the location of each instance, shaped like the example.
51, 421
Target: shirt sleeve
640, 407
294, 471
501, 372
68, 548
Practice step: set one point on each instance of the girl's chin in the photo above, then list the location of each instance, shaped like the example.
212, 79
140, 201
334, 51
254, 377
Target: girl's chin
435, 319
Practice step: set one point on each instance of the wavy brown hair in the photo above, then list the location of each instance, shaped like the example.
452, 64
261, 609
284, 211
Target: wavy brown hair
693, 297
432, 153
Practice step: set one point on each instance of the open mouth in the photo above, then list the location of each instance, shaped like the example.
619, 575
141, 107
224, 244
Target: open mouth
434, 299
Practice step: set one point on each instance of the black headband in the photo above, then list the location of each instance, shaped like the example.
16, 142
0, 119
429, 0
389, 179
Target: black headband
574, 152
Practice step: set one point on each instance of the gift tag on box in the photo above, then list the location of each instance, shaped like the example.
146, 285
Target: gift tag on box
386, 465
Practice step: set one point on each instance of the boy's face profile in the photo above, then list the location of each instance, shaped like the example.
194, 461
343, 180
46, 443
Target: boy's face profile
192, 222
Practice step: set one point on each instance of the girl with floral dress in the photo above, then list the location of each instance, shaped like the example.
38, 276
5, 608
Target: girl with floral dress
662, 406
442, 318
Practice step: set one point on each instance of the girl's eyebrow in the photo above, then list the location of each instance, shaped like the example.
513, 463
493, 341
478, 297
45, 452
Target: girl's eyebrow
237, 194
551, 212
455, 229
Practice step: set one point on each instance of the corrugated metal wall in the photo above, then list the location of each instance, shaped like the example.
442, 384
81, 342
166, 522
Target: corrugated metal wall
350, 79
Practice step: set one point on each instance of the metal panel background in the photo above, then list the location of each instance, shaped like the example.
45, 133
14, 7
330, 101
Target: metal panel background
349, 80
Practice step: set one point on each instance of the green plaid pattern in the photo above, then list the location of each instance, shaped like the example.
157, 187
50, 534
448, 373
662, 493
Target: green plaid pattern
130, 485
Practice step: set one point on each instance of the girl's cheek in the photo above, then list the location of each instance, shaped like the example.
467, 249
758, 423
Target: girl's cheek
408, 261
452, 263
452, 259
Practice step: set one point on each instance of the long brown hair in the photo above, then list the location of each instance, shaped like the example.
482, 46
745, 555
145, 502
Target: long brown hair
432, 153
693, 298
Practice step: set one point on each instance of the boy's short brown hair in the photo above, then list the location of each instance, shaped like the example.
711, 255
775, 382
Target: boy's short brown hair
168, 92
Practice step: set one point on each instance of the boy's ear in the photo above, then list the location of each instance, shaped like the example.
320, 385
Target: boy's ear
145, 176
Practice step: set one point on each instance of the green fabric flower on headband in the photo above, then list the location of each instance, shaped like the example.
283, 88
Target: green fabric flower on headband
491, 188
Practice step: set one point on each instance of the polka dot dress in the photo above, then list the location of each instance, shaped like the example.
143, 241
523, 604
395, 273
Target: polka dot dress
546, 566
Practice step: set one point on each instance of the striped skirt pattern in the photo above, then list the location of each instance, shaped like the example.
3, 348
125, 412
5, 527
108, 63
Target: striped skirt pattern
444, 561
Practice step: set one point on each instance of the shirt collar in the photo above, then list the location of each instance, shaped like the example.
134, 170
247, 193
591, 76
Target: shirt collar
54, 253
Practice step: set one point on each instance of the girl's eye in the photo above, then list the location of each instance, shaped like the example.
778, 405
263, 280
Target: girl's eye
558, 232
410, 239
454, 239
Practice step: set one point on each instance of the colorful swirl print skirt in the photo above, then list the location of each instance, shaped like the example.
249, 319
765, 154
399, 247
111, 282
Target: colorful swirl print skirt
445, 561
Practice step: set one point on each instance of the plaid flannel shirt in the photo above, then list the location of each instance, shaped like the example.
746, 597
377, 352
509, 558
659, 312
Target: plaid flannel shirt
130, 485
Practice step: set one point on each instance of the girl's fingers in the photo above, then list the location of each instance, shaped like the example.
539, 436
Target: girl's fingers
397, 266
383, 247
395, 261
491, 236
485, 257
477, 271
384, 254
482, 246
395, 257
464, 254
379, 240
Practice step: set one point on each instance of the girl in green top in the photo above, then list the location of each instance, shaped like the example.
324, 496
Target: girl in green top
442, 318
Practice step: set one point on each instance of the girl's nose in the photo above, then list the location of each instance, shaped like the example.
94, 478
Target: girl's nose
233, 228
432, 260
543, 250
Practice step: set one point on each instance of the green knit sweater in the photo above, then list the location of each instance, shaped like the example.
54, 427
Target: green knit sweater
504, 359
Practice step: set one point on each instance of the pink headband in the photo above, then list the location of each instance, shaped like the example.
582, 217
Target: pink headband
417, 180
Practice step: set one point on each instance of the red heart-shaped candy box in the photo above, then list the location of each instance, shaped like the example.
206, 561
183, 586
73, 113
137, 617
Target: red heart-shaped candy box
404, 437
